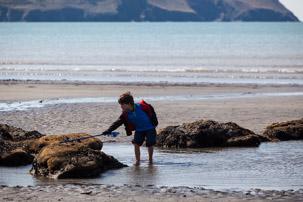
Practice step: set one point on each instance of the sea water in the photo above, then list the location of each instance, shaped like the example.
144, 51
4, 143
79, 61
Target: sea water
173, 53
272, 165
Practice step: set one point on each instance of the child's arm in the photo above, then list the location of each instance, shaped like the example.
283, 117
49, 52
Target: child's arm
115, 125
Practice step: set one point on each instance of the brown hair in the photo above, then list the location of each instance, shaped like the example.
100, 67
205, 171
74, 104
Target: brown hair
126, 98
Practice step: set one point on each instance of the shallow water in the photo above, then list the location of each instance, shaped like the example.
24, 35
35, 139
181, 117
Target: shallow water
276, 166
30, 104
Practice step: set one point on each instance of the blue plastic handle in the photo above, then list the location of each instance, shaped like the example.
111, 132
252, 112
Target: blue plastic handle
112, 134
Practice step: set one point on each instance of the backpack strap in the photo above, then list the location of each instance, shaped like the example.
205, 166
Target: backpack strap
147, 108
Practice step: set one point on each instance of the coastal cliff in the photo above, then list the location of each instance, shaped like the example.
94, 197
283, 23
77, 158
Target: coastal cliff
143, 10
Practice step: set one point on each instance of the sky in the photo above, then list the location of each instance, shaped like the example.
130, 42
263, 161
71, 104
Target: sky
295, 6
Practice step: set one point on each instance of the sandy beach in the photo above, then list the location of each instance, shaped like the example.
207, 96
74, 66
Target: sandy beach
254, 113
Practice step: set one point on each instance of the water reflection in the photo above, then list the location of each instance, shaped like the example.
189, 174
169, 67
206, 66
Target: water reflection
142, 174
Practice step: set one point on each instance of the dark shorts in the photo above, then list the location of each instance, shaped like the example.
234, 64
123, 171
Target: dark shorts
149, 135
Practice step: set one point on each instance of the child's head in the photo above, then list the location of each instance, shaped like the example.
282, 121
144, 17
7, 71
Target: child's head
126, 98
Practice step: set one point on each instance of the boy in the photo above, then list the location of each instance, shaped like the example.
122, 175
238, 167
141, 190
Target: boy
140, 117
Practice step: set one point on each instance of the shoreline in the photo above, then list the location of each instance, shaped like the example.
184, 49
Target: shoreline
125, 83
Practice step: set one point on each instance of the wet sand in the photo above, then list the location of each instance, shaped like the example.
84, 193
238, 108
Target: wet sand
141, 193
93, 118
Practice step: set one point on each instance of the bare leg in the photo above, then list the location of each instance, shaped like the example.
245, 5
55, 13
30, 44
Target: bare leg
150, 153
137, 152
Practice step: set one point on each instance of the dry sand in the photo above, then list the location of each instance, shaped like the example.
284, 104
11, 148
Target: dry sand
253, 113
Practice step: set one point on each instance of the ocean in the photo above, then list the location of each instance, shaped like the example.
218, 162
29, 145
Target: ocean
153, 53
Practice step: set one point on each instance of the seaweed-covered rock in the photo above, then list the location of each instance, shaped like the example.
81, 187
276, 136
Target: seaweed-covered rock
14, 147
17, 134
16, 157
207, 133
283, 131
70, 161
76, 159
18, 147
92, 143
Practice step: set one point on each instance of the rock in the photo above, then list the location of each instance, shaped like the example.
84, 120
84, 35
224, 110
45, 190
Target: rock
14, 148
92, 143
76, 159
16, 157
290, 130
207, 133
10, 151
248, 141
71, 161
18, 147
17, 134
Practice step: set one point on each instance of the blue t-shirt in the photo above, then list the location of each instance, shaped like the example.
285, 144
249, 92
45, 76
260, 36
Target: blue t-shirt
139, 118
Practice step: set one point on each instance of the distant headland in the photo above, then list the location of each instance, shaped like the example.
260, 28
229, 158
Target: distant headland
144, 10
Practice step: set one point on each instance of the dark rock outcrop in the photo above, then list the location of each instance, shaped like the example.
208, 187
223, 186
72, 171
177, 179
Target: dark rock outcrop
14, 154
18, 147
144, 10
17, 134
14, 147
290, 130
76, 159
70, 161
207, 133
